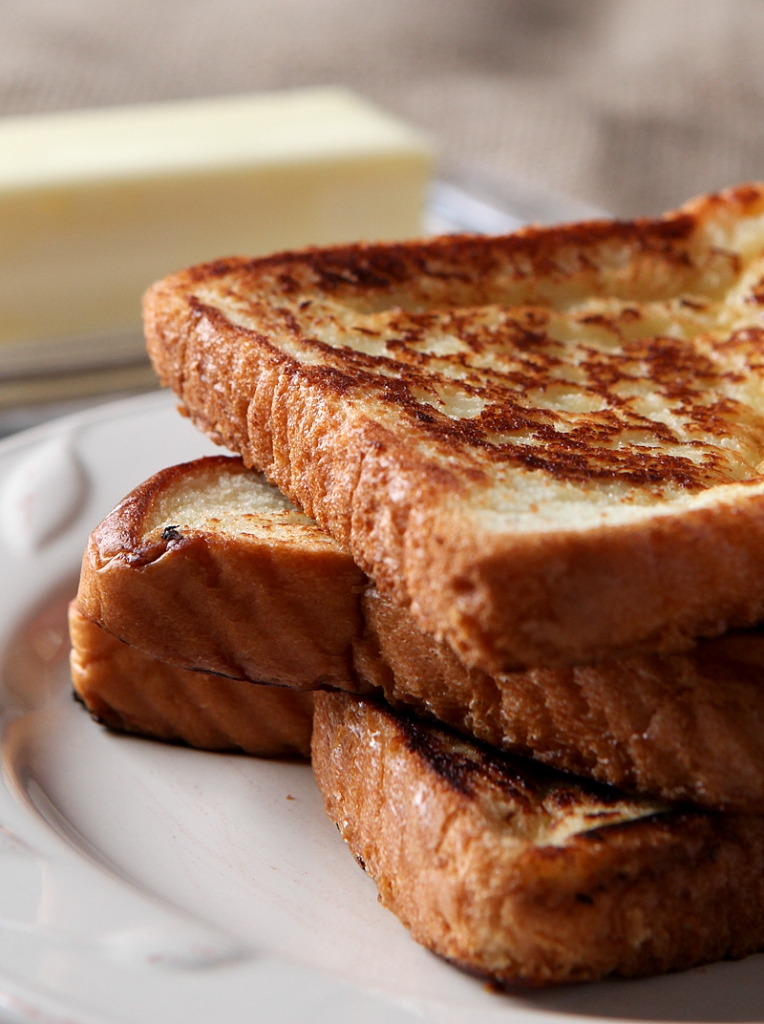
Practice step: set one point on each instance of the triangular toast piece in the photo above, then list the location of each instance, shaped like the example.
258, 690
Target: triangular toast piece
206, 567
525, 875
548, 444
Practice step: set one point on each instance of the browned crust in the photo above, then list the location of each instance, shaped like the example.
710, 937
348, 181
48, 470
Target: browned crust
277, 608
501, 600
131, 692
661, 893
684, 727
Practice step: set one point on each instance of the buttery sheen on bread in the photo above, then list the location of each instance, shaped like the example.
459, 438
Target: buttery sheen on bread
525, 875
206, 567
547, 444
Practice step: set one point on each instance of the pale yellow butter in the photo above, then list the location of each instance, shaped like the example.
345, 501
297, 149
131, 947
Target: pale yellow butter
95, 205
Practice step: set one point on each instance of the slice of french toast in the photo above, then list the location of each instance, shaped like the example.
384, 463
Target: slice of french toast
548, 444
205, 567
129, 691
526, 875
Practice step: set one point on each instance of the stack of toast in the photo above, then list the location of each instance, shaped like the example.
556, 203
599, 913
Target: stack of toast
511, 527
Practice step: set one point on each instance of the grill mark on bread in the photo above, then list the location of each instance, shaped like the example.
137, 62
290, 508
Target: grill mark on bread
595, 445
339, 270
520, 390
468, 765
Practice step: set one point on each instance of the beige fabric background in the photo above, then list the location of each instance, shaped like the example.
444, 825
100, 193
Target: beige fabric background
632, 105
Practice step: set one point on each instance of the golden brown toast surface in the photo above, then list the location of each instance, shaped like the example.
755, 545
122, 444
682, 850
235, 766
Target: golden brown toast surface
263, 594
130, 691
685, 727
549, 443
208, 567
526, 875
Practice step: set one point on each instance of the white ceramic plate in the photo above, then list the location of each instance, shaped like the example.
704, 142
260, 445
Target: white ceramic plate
145, 883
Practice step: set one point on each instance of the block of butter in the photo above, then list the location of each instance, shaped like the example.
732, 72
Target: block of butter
96, 204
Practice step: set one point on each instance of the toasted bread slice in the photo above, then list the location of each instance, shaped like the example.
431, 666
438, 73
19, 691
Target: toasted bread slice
685, 727
129, 691
549, 444
188, 568
526, 875
207, 566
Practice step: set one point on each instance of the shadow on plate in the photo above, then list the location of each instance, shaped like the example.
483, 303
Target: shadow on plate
723, 992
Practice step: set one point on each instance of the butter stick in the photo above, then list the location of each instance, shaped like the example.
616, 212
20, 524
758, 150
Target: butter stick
95, 205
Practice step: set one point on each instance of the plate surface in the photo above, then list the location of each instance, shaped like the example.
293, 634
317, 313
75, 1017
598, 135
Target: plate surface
142, 882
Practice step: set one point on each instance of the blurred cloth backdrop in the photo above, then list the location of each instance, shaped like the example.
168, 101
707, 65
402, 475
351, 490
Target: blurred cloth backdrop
630, 105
